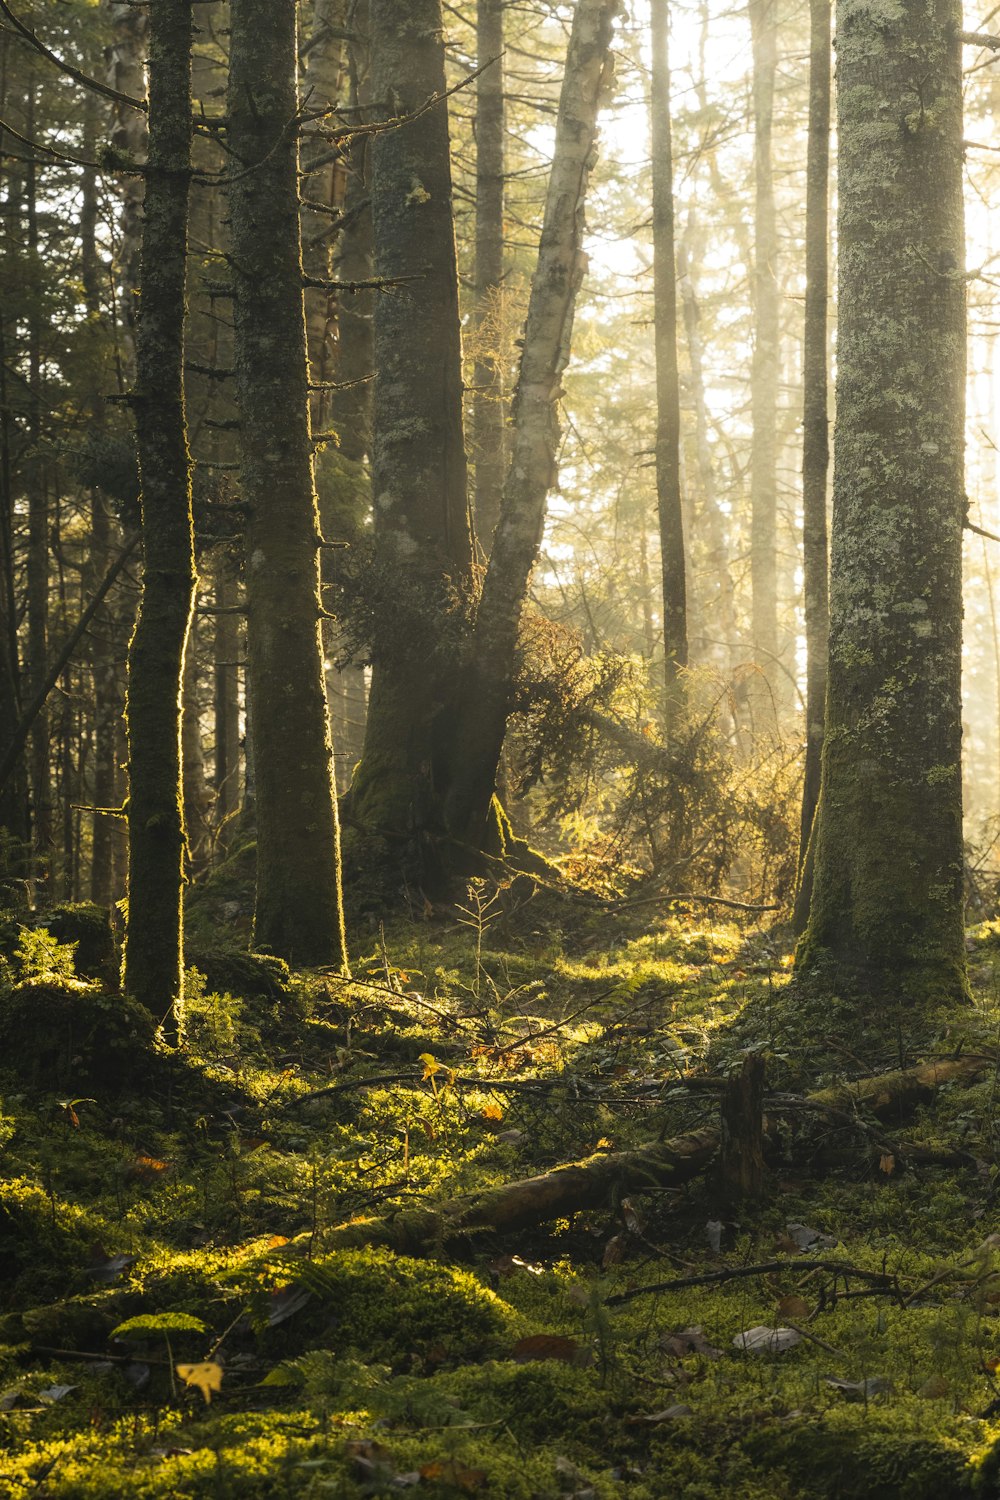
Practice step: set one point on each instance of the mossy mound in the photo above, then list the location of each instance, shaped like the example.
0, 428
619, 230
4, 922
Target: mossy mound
88, 926
46, 1245
236, 971
839, 1459
68, 1034
398, 1311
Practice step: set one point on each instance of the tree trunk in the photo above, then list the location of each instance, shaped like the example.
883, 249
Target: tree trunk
487, 690
764, 374
298, 905
488, 411
226, 700
154, 950
815, 439
887, 896
668, 399
423, 544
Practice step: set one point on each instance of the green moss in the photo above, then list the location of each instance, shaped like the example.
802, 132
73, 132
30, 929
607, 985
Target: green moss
74, 1035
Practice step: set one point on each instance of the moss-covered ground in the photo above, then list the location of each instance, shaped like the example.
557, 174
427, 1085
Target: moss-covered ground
174, 1323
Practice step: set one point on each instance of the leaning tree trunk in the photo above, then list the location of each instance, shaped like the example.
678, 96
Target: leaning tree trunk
815, 439
488, 688
887, 896
668, 395
153, 946
488, 414
423, 544
298, 910
764, 373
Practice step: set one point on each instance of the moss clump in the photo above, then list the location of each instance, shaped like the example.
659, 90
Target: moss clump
67, 1034
88, 926
843, 1460
46, 1245
400, 1311
235, 971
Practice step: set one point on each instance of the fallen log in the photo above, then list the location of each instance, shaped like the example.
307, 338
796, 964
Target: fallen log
607, 1176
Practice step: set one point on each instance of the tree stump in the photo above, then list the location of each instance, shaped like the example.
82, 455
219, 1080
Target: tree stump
741, 1160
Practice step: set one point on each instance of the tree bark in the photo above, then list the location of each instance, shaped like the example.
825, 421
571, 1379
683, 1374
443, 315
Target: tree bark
815, 438
488, 409
486, 697
668, 396
298, 902
423, 543
764, 372
887, 902
154, 945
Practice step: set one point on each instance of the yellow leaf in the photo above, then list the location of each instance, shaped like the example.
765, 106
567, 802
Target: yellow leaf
491, 1112
207, 1377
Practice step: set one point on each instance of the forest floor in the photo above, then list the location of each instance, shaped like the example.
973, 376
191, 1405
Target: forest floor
174, 1322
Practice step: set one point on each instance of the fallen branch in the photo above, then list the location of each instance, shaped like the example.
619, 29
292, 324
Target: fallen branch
881, 1279
606, 1176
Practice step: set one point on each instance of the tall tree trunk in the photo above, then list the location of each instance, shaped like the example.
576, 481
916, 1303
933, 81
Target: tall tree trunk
815, 437
668, 396
488, 412
350, 402
298, 905
887, 896
154, 940
37, 564
764, 371
226, 699
322, 84
126, 57
488, 688
423, 542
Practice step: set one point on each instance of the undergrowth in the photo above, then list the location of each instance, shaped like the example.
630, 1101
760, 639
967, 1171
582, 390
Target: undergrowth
175, 1323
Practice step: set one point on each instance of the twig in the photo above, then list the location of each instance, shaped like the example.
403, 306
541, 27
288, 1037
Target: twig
763, 1268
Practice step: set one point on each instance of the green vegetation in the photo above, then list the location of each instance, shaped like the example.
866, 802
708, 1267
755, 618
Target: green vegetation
173, 1322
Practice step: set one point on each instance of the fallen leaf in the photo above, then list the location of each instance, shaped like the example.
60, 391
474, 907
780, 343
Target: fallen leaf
614, 1251
634, 1222
547, 1346
285, 1301
713, 1232
207, 1376
793, 1306
54, 1393
806, 1238
146, 1169
109, 1269
688, 1341
763, 1340
491, 1112
15, 1395
450, 1471
858, 1390
887, 1163
669, 1414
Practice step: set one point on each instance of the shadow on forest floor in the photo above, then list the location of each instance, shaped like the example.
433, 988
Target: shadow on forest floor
173, 1321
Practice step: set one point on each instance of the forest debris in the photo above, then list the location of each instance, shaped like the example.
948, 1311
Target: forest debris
207, 1376
549, 1346
764, 1340
742, 1136
597, 1180
859, 1390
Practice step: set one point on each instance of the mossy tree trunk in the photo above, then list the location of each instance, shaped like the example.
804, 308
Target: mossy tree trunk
298, 913
153, 945
887, 895
815, 433
668, 395
423, 540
